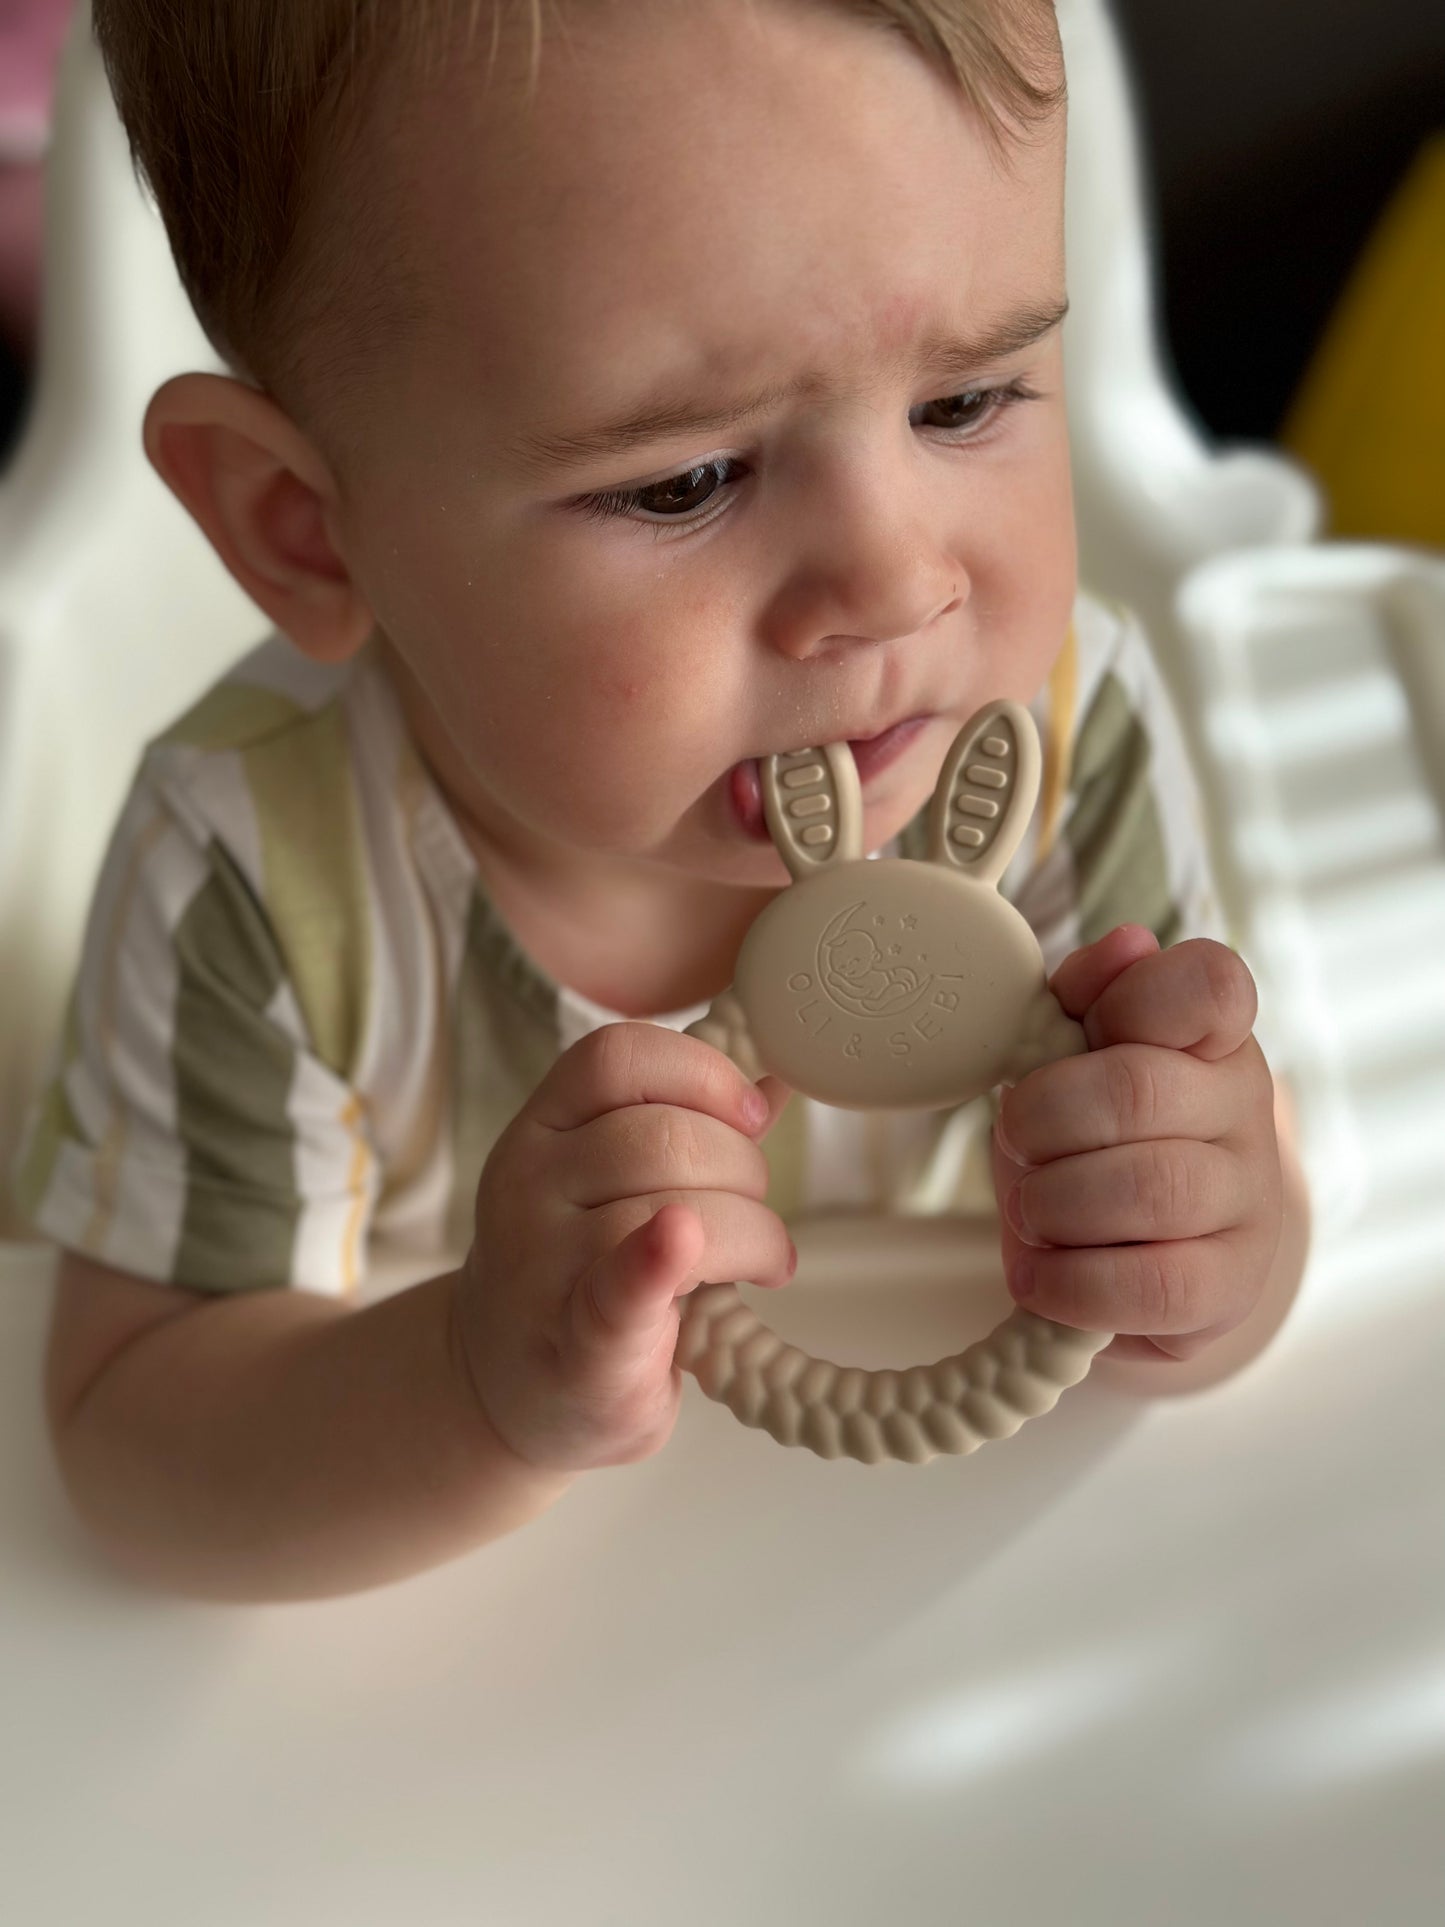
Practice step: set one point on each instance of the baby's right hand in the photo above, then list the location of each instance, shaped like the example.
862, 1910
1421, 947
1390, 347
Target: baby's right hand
632, 1174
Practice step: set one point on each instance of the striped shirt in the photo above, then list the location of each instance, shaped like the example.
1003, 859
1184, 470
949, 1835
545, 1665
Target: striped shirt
299, 1024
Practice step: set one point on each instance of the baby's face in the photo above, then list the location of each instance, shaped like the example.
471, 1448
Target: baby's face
597, 626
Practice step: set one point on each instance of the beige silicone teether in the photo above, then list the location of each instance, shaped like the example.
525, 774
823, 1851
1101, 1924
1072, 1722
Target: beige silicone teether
891, 984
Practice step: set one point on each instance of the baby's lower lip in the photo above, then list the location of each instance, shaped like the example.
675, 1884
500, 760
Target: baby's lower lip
871, 758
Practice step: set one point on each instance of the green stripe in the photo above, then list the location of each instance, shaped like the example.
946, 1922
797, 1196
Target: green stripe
505, 1040
316, 882
233, 1072
786, 1150
1113, 830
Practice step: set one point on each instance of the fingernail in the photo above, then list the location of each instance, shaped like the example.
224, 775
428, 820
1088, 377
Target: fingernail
1023, 1280
1014, 1211
755, 1108
1004, 1144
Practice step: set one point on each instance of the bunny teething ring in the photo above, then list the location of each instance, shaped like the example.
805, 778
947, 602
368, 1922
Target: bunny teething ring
891, 984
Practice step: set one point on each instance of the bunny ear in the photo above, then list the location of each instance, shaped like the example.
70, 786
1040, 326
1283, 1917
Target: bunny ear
986, 792
813, 803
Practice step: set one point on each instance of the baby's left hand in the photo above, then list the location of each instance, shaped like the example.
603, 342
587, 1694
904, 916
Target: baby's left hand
1139, 1186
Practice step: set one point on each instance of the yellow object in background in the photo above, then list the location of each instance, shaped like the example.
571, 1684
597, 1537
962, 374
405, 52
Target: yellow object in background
1369, 418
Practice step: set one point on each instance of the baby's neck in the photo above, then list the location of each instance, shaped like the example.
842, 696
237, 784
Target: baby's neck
660, 954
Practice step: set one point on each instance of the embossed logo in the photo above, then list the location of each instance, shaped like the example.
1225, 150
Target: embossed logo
864, 970
867, 965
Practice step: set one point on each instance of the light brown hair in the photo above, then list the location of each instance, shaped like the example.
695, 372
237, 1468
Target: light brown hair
228, 103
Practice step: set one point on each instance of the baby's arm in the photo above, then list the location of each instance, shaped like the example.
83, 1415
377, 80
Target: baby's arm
274, 1444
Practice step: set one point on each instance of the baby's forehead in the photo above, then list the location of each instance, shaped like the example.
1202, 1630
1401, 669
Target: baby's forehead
485, 127
602, 219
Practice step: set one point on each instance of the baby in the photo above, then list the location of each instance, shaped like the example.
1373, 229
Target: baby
619, 398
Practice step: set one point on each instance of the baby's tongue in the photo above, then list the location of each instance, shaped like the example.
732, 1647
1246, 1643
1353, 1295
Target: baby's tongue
747, 794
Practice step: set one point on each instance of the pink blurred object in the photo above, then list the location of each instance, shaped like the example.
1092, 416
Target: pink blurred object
31, 35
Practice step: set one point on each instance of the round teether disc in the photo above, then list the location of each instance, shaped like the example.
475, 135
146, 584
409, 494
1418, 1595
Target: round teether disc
869, 989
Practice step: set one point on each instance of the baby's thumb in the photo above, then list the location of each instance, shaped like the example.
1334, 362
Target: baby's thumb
622, 1302
777, 1093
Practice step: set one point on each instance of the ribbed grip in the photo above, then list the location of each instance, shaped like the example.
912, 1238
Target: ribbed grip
986, 1392
842, 1411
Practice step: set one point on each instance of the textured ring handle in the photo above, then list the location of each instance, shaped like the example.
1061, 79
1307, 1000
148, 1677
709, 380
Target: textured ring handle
986, 1392
952, 1407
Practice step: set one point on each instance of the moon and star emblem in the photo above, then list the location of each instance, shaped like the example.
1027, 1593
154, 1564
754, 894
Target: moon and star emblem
864, 971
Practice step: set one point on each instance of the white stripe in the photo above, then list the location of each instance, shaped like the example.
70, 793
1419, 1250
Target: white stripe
323, 1154
138, 816
124, 1099
207, 788
143, 1230
399, 1027
279, 666
418, 937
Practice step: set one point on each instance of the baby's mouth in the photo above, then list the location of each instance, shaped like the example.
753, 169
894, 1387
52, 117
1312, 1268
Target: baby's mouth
745, 782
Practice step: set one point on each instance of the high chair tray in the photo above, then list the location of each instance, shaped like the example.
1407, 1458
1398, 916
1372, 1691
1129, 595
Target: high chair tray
1147, 1662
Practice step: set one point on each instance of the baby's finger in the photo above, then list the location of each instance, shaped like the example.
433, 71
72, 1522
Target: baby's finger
1170, 1188
1084, 977
648, 1148
1124, 1094
777, 1094
1197, 996
640, 1063
622, 1307
742, 1238
1189, 1285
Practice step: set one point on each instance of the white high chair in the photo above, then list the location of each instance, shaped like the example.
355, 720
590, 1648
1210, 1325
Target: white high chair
1083, 1677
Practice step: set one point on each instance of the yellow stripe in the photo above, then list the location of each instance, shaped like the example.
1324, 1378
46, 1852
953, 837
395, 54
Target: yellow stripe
428, 1121
316, 883
107, 1162
351, 1118
1058, 745
230, 716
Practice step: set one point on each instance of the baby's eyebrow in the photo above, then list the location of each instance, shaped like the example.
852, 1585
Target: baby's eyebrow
663, 416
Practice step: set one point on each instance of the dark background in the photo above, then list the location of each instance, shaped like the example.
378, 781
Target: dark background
1274, 132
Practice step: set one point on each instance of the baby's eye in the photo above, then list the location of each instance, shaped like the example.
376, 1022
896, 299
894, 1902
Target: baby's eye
968, 409
679, 497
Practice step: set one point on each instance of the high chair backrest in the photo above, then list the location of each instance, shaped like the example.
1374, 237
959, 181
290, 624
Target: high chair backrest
114, 610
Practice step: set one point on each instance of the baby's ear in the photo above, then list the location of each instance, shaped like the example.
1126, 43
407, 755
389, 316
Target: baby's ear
266, 502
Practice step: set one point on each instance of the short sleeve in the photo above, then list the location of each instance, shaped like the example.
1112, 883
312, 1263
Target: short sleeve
1130, 844
189, 1133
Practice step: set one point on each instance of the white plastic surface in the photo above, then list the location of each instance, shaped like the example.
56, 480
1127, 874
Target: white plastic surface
114, 611
1320, 680
1144, 1664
